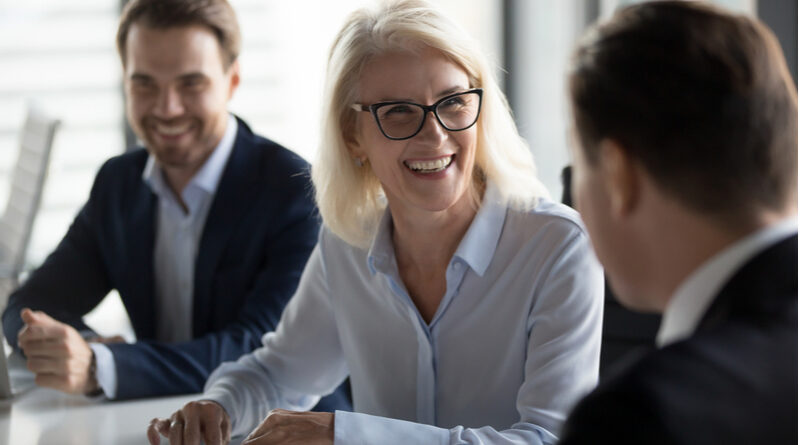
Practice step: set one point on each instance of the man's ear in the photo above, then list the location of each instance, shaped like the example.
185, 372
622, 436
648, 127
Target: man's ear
233, 72
619, 178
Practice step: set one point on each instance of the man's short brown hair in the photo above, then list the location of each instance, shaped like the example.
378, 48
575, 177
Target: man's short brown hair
701, 98
216, 15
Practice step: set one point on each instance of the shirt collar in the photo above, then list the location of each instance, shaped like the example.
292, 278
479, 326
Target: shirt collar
209, 175
381, 253
479, 243
476, 248
695, 295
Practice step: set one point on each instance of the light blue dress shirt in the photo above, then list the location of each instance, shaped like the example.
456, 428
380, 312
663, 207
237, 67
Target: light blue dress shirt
514, 343
177, 239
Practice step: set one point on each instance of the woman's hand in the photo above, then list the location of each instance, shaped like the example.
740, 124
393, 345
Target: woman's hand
201, 420
293, 428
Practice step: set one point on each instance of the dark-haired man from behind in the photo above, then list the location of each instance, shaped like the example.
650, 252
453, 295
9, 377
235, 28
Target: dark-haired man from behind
204, 234
686, 176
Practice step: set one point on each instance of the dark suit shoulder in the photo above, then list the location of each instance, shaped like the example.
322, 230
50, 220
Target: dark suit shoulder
270, 156
133, 160
734, 381
763, 291
621, 411
120, 177
272, 178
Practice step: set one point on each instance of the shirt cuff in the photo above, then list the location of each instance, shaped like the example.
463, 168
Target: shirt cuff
225, 400
106, 372
357, 429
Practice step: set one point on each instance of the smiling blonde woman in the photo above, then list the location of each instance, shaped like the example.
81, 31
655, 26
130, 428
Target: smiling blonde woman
464, 306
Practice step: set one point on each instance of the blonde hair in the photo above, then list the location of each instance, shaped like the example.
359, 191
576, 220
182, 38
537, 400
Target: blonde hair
350, 198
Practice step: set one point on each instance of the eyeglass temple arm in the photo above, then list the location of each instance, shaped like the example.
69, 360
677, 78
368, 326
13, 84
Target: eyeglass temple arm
359, 107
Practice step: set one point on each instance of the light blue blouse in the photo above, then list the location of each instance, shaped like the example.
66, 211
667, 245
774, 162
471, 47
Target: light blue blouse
514, 343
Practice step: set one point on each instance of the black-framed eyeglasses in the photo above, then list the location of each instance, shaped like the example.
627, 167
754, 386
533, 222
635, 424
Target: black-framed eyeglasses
403, 120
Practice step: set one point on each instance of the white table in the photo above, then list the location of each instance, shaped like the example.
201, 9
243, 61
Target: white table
41, 416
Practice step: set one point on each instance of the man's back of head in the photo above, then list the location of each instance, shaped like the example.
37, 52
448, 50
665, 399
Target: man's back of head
701, 98
699, 107
686, 177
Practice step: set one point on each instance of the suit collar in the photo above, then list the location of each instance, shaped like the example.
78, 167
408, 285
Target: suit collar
695, 295
141, 241
210, 174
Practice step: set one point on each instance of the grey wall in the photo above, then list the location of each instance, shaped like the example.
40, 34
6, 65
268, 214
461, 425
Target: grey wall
781, 17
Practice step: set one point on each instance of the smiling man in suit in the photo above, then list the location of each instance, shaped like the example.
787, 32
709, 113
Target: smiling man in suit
204, 233
686, 177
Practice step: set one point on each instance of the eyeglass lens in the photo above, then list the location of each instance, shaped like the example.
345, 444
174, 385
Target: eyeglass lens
403, 120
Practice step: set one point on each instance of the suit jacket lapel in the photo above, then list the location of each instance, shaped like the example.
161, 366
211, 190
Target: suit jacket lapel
233, 196
140, 242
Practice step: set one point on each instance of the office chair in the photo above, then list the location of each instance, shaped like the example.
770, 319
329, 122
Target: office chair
25, 194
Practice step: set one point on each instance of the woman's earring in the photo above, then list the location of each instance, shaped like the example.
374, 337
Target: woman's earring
358, 162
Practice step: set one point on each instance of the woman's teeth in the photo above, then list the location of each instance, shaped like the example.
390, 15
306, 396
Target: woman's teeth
429, 166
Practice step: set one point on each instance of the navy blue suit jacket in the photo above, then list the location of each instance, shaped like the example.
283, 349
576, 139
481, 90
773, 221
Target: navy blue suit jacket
259, 232
734, 381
